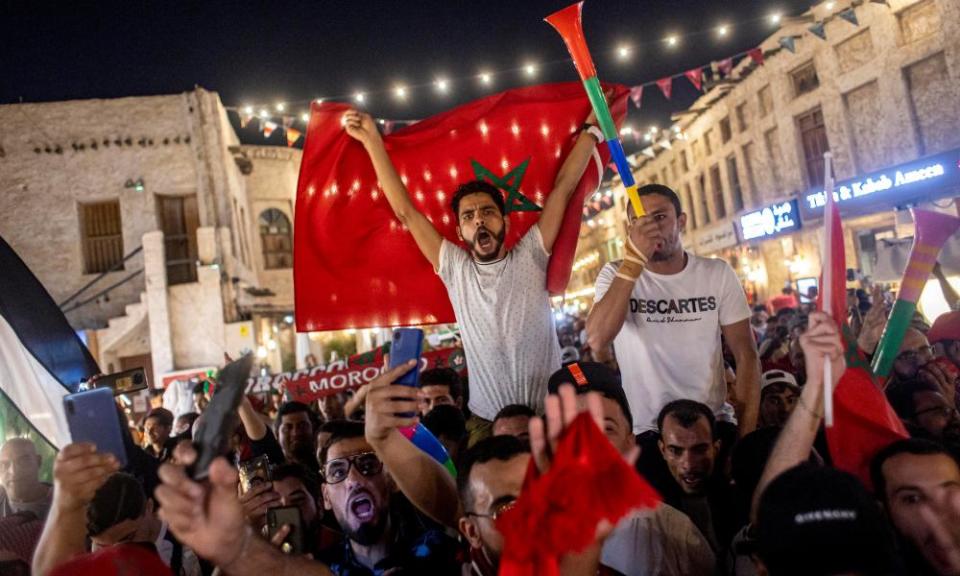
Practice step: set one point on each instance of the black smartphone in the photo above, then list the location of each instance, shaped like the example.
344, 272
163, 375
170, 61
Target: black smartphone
214, 429
92, 417
124, 382
289, 515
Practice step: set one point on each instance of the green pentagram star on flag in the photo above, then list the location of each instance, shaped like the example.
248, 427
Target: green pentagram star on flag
510, 184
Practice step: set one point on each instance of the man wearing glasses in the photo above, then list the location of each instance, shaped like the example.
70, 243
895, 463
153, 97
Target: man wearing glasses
363, 467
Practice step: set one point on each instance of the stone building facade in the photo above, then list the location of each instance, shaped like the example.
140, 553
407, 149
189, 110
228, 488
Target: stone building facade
879, 95
135, 214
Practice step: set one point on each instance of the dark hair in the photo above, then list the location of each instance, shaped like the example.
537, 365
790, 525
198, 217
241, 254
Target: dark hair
900, 396
477, 187
162, 414
293, 407
298, 471
914, 446
154, 392
687, 412
662, 190
190, 417
198, 388
442, 377
447, 421
339, 430
120, 498
513, 410
501, 448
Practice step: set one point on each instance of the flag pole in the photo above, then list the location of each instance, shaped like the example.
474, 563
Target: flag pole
827, 283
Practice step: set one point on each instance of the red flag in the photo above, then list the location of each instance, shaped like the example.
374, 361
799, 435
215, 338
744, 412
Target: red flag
863, 421
558, 512
725, 66
756, 55
292, 136
636, 95
354, 264
695, 77
666, 86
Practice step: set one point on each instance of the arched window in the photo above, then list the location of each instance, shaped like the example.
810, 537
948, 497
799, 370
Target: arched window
276, 239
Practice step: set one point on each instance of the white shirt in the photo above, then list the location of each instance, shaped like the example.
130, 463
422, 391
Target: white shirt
503, 310
659, 542
669, 347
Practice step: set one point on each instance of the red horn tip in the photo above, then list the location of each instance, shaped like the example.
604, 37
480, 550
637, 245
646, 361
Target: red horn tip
568, 23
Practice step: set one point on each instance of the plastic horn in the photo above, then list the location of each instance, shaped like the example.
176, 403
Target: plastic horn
827, 288
426, 441
932, 231
568, 23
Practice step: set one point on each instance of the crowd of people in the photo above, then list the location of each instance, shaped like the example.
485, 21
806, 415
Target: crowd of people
717, 405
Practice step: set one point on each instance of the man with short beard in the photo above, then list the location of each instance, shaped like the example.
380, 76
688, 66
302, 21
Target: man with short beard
294, 428
499, 298
665, 310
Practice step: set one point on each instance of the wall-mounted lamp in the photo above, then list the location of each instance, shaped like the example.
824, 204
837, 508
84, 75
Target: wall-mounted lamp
138, 185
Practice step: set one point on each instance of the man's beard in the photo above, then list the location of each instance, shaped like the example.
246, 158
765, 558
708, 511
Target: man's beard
368, 533
497, 238
666, 252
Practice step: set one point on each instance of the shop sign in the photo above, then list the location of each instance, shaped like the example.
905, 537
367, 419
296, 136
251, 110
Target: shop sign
891, 186
771, 221
716, 238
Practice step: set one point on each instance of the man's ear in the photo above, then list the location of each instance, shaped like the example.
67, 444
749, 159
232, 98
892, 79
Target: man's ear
470, 531
459, 234
327, 505
662, 446
682, 221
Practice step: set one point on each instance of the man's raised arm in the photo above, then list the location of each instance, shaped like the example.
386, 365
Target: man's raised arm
361, 126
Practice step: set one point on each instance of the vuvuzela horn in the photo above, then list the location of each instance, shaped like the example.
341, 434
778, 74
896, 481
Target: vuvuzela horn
568, 23
932, 231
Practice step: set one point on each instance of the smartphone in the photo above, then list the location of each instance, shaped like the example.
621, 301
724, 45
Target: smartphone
290, 515
407, 345
123, 382
92, 417
253, 472
220, 419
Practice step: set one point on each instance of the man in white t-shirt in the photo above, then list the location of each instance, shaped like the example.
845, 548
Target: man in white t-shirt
500, 299
665, 309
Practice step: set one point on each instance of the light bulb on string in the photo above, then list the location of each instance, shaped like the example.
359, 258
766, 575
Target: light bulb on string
280, 107
305, 117
530, 69
264, 114
248, 110
485, 78
400, 91
442, 84
623, 51
723, 30
360, 97
672, 40
775, 18
318, 100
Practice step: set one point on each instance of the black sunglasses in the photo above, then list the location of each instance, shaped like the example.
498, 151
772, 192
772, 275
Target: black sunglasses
337, 470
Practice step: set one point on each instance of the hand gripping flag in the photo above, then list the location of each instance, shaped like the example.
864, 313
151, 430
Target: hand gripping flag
354, 264
41, 357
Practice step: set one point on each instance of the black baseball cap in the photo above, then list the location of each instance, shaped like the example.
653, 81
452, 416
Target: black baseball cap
592, 377
816, 520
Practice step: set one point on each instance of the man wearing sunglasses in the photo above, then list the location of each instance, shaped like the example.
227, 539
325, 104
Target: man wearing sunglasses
363, 468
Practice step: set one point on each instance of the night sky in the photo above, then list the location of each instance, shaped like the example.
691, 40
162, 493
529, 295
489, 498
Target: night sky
260, 53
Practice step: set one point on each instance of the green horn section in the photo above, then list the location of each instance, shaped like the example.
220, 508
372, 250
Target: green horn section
892, 338
599, 103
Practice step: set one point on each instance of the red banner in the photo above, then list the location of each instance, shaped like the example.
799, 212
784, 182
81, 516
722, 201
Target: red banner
309, 385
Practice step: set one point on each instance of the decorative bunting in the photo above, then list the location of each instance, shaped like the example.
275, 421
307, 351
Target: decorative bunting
756, 55
648, 151
666, 86
850, 16
726, 65
636, 95
388, 127
245, 120
268, 128
665, 144
695, 76
292, 136
632, 160
789, 43
817, 30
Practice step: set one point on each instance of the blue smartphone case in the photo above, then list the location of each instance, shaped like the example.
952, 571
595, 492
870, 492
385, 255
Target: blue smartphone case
92, 417
407, 345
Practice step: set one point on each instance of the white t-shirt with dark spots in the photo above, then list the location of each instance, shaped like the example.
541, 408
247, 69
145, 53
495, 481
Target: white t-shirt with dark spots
669, 346
503, 309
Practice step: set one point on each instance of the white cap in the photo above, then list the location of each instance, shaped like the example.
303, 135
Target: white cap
771, 377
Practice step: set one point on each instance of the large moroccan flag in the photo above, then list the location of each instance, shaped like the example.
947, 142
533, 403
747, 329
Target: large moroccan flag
863, 421
354, 264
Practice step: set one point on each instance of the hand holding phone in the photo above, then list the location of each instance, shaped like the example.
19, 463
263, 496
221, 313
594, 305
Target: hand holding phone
287, 516
92, 417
